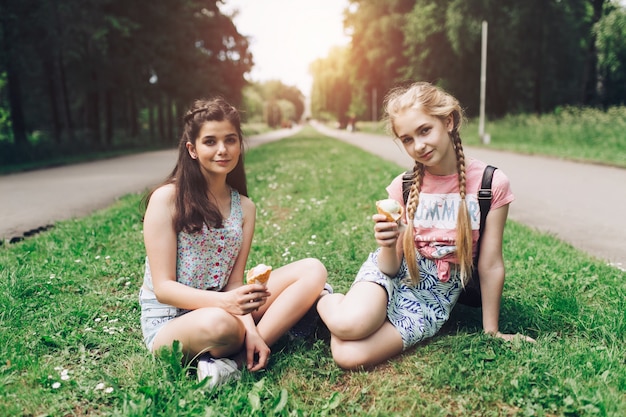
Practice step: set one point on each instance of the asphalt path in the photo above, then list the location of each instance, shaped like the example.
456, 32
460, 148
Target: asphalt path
581, 204
35, 200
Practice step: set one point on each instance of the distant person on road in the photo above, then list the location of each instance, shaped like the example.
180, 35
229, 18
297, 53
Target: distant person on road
198, 229
406, 289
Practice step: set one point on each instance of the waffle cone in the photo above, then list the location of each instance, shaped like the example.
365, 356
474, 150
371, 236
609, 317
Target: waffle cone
261, 278
391, 217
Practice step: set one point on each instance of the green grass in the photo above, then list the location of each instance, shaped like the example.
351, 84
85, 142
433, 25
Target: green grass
71, 344
580, 134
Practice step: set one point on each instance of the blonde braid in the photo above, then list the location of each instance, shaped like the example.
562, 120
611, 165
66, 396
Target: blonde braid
463, 225
408, 238
435, 102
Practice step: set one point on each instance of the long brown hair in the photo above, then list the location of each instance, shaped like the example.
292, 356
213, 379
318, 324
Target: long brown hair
193, 208
434, 102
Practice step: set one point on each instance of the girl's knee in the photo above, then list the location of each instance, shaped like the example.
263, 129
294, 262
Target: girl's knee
347, 358
348, 325
310, 272
219, 325
315, 268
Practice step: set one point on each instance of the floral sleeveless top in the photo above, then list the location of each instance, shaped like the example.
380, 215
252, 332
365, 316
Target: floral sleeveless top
205, 259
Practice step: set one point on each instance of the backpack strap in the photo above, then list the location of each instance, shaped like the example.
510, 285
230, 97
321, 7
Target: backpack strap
407, 179
484, 202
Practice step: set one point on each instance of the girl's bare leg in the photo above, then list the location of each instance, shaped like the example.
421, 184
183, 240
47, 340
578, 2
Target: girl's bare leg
383, 344
295, 288
356, 315
361, 336
211, 330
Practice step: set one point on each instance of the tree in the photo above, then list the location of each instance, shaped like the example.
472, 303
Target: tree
376, 53
332, 90
9, 15
272, 93
91, 69
610, 33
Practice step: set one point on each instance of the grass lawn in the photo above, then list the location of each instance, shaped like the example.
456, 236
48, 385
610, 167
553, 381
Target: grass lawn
71, 345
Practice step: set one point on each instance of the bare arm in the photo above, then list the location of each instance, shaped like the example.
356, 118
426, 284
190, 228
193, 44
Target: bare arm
491, 270
255, 345
389, 238
491, 267
236, 278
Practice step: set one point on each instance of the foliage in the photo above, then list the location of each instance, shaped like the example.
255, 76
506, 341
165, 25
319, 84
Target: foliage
351, 81
273, 102
331, 86
71, 341
540, 54
590, 135
80, 71
611, 36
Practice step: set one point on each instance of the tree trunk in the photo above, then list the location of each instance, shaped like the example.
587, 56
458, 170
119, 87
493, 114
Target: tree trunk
67, 112
170, 120
538, 64
108, 118
133, 115
590, 76
49, 74
151, 127
160, 118
18, 125
93, 111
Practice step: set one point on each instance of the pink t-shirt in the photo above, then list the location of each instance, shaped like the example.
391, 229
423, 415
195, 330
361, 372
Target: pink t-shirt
436, 215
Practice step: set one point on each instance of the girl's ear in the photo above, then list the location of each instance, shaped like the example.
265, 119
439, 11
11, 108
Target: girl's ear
192, 150
449, 123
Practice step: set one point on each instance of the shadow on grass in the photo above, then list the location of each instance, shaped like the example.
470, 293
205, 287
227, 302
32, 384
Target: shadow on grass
515, 317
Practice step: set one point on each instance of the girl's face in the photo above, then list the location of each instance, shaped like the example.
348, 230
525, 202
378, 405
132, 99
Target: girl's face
426, 139
217, 148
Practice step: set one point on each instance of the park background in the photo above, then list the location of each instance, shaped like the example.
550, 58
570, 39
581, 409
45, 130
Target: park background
78, 76
91, 79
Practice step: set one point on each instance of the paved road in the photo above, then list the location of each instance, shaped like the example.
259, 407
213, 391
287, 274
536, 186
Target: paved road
36, 199
578, 203
581, 204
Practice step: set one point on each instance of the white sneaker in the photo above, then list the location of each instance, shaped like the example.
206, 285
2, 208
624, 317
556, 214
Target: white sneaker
220, 370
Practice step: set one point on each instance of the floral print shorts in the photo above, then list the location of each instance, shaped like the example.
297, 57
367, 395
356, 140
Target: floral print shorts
417, 312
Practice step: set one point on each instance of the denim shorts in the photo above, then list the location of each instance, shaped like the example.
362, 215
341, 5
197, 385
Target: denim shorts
154, 315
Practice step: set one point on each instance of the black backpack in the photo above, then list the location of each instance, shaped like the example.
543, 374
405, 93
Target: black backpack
470, 295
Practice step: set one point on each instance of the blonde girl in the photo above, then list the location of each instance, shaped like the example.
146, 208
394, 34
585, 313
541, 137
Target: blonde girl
406, 289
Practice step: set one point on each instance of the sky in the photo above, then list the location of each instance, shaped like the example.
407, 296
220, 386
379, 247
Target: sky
287, 35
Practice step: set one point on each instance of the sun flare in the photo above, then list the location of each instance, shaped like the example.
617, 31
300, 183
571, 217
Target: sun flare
286, 36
